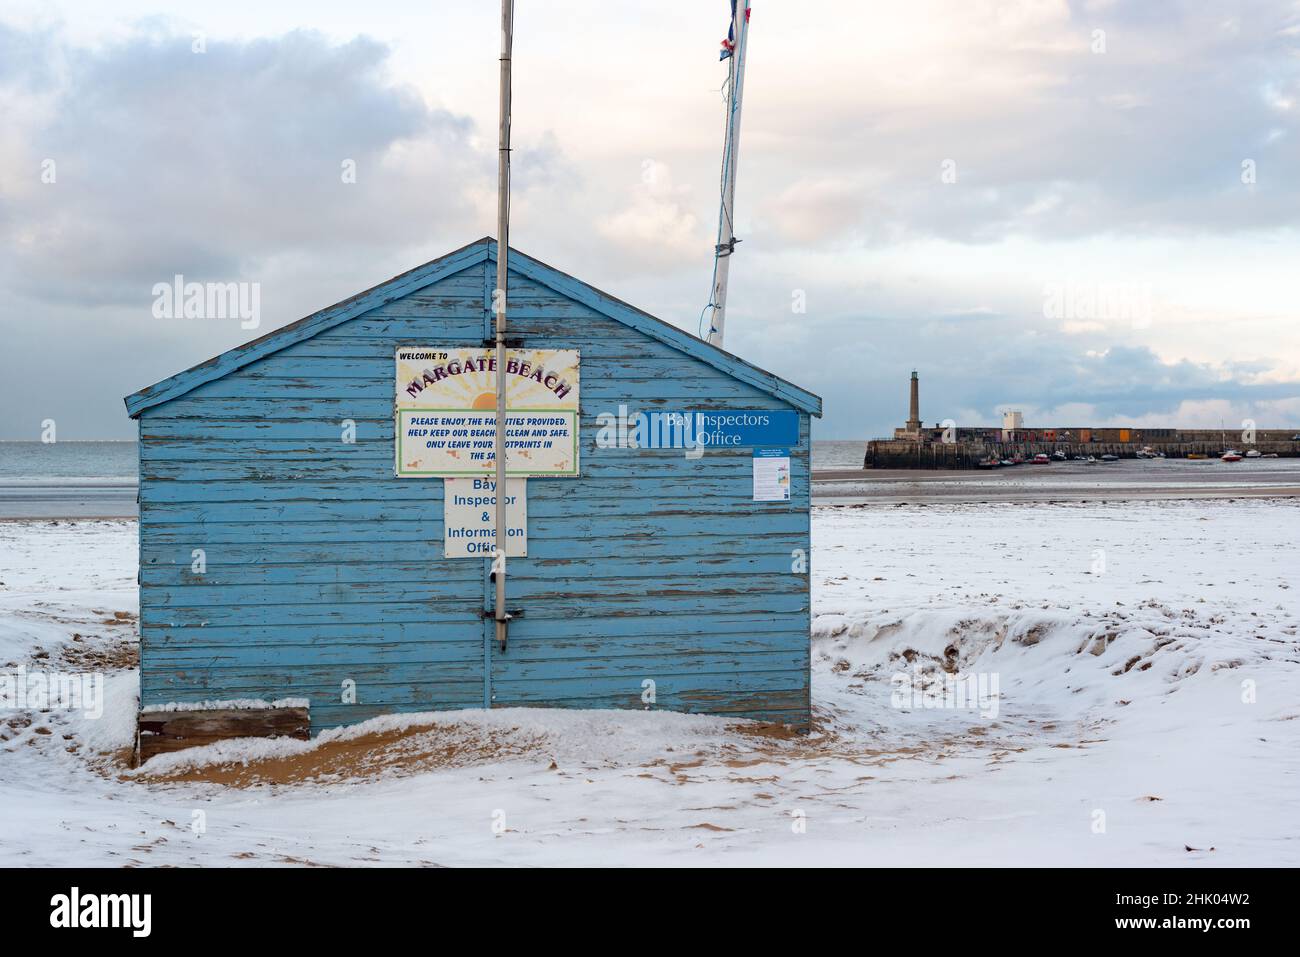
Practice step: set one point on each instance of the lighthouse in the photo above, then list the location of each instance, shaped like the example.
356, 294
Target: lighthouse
914, 410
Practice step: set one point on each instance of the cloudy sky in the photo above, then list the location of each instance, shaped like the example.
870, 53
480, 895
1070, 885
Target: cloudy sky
1088, 210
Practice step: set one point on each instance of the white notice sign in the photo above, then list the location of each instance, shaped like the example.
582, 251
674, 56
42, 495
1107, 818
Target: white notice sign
771, 475
470, 515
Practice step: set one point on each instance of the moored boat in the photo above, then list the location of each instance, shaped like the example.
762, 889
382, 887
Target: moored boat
1232, 455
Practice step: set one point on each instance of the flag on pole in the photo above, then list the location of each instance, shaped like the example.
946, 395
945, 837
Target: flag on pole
729, 44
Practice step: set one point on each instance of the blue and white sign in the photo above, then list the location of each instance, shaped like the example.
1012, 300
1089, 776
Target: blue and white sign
695, 429
732, 428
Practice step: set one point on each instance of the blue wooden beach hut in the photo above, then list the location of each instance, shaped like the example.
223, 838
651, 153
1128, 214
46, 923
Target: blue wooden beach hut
281, 558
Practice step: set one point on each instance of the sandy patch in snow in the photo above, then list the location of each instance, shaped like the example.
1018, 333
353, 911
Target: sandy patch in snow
664, 745
409, 744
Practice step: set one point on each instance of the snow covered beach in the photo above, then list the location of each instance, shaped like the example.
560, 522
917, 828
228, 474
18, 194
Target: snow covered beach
1145, 659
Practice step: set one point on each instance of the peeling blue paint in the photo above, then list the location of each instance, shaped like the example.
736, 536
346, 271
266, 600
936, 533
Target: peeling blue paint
321, 566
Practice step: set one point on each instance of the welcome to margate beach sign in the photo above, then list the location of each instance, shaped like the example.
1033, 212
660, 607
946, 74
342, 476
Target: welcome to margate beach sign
446, 412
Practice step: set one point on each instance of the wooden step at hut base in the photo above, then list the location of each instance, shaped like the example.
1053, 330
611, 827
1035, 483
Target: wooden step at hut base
164, 731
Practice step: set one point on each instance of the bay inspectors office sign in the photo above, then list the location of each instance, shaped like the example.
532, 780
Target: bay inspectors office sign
446, 412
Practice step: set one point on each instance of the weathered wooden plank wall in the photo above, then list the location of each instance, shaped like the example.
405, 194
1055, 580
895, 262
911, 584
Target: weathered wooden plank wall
321, 566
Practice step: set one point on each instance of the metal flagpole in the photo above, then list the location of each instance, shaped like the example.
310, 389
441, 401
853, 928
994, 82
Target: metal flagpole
499, 304
731, 152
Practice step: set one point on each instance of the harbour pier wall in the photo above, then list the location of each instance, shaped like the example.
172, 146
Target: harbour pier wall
967, 452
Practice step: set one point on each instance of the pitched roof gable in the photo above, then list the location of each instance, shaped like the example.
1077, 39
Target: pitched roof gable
431, 272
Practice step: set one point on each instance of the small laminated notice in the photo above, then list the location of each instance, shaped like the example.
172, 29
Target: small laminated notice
771, 475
